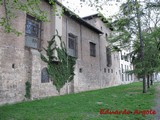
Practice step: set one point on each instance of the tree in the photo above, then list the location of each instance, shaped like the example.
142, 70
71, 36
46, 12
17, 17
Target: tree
151, 56
128, 24
60, 68
141, 44
130, 29
153, 4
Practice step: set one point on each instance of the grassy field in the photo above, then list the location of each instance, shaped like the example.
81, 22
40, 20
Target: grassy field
85, 105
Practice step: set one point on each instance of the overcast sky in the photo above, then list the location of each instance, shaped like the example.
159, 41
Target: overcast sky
110, 7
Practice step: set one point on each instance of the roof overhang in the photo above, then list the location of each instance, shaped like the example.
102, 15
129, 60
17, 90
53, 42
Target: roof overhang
75, 17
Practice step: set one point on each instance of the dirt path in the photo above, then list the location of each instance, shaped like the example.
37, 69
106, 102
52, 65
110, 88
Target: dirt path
157, 100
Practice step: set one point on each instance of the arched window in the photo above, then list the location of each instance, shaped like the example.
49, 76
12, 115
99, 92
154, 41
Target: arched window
44, 75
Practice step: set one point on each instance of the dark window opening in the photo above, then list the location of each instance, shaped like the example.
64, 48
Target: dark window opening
80, 70
13, 65
101, 28
121, 56
44, 75
72, 45
111, 70
92, 49
125, 57
32, 32
108, 70
106, 35
122, 78
122, 68
108, 57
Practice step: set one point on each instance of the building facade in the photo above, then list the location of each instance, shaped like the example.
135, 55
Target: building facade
96, 67
110, 61
125, 65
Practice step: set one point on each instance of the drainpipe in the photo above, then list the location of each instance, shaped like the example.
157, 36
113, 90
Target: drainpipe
100, 61
67, 49
81, 40
66, 34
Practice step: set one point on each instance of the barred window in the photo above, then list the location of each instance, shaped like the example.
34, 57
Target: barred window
44, 75
32, 32
92, 49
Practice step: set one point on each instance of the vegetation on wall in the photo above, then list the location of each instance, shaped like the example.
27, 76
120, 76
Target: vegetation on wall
31, 7
61, 67
28, 90
10, 8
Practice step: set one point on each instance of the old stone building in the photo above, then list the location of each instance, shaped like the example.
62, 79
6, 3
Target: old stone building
96, 67
121, 61
109, 60
20, 57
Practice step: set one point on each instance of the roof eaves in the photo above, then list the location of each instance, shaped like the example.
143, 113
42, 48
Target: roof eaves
72, 15
83, 22
103, 19
90, 16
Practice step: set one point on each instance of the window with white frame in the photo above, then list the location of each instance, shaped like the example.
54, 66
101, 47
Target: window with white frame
32, 32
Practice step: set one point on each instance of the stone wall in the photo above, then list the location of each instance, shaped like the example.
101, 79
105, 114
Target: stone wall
12, 67
110, 75
114, 78
19, 64
91, 72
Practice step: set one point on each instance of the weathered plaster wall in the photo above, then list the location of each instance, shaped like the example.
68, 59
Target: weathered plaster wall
12, 67
116, 76
93, 75
90, 66
109, 78
19, 64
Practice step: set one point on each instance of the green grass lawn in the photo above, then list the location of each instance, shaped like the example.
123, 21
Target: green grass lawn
85, 105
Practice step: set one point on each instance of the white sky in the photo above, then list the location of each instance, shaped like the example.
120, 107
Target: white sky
110, 7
